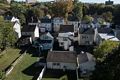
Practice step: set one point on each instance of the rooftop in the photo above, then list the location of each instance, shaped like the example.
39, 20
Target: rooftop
86, 31
66, 28
30, 28
85, 57
109, 37
105, 30
62, 56
46, 20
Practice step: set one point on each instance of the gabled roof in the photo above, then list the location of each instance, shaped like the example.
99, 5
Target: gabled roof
105, 30
46, 20
30, 28
84, 57
23, 40
86, 31
62, 56
108, 37
66, 28
47, 34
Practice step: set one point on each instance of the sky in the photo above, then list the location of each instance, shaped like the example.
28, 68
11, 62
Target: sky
87, 1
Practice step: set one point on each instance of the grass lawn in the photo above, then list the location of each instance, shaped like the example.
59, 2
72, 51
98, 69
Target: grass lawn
25, 69
50, 79
8, 57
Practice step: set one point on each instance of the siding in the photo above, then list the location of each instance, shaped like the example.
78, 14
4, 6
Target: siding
83, 41
69, 66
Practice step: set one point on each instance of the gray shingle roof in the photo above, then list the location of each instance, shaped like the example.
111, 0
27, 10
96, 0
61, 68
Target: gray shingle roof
86, 31
105, 30
46, 20
30, 28
66, 28
62, 56
85, 57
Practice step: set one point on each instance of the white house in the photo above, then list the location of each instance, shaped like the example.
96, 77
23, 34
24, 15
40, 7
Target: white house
45, 25
31, 31
86, 36
9, 1
31, 1
105, 34
66, 36
75, 23
86, 63
17, 26
57, 21
65, 60
45, 41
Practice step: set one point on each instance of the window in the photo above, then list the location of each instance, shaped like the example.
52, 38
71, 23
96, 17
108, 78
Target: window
56, 64
64, 39
84, 37
61, 43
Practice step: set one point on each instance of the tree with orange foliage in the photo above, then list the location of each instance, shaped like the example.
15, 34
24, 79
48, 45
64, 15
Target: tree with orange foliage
61, 8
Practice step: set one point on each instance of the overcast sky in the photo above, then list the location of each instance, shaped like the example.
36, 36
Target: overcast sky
88, 1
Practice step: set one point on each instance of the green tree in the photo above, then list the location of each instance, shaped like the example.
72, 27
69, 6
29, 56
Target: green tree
107, 16
38, 12
116, 13
109, 69
105, 48
77, 10
7, 35
87, 19
19, 11
62, 8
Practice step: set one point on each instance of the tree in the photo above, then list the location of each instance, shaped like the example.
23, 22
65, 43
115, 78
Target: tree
77, 10
38, 12
107, 16
116, 13
87, 19
7, 35
104, 49
19, 11
109, 69
62, 8
101, 21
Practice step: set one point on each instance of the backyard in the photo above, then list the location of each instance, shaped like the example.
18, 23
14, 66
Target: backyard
25, 69
7, 57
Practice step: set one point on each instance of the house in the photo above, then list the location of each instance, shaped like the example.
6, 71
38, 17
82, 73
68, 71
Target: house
9, 1
66, 36
17, 26
109, 2
31, 31
105, 34
45, 25
107, 37
74, 22
86, 63
45, 41
86, 36
65, 60
23, 41
57, 21
31, 1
